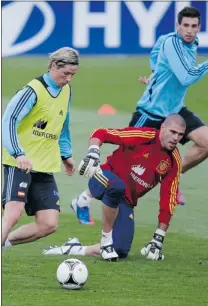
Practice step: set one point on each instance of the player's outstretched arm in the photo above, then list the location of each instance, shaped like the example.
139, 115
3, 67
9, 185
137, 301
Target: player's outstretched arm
125, 137
168, 202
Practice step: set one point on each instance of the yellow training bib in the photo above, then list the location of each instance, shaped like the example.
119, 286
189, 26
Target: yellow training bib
39, 131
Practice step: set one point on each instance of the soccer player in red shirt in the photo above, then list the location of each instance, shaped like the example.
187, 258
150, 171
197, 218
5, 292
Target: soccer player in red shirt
144, 158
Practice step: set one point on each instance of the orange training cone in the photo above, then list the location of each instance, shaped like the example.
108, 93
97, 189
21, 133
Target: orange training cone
106, 109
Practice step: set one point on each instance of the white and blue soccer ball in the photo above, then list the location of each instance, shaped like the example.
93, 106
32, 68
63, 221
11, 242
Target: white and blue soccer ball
72, 274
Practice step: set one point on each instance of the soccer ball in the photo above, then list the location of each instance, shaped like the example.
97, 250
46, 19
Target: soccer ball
72, 274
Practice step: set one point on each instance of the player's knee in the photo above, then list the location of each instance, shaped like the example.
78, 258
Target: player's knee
47, 228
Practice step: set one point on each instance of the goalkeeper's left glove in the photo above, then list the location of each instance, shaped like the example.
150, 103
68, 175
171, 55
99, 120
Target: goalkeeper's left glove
153, 250
91, 162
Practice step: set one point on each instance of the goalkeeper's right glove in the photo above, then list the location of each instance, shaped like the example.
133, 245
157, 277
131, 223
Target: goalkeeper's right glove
153, 250
91, 162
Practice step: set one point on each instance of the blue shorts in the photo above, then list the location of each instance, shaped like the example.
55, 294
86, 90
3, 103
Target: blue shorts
110, 189
37, 190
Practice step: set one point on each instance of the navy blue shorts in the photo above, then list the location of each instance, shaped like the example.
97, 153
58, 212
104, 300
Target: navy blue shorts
37, 190
110, 189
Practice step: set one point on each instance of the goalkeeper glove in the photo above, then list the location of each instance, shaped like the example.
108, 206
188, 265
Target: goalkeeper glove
91, 162
153, 250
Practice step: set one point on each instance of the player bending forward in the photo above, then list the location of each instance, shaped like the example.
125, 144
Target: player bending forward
173, 63
144, 158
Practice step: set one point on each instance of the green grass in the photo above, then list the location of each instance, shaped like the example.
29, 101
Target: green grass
29, 277
100, 80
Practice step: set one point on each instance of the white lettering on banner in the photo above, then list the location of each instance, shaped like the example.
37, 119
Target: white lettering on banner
147, 20
83, 20
16, 22
14, 17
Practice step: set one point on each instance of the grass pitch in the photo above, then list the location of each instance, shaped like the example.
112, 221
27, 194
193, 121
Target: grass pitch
181, 280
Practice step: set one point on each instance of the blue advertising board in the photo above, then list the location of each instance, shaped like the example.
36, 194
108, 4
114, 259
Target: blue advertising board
92, 27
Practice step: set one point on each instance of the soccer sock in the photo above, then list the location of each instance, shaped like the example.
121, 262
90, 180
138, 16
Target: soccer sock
84, 199
7, 244
106, 239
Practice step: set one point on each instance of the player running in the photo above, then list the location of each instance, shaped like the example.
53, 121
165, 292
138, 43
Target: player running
35, 134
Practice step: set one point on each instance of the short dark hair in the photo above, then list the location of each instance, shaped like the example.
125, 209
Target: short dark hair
176, 118
189, 11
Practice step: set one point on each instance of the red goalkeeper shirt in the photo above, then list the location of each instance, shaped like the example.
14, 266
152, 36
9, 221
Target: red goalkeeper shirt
141, 162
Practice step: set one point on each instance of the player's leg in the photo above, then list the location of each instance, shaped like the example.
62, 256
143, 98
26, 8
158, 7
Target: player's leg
81, 206
46, 223
109, 189
123, 230
12, 213
199, 151
73, 247
196, 131
16, 184
123, 233
43, 202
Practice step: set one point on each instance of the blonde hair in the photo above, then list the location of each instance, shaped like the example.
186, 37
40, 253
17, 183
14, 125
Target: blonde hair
64, 56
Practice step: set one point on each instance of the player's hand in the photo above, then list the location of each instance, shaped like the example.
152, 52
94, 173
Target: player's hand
69, 166
153, 250
24, 163
91, 162
144, 80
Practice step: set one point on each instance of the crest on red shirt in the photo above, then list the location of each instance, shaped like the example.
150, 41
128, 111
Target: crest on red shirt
162, 167
146, 155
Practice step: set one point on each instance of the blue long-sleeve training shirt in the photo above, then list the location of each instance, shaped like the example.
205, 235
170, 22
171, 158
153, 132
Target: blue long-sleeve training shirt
173, 62
16, 111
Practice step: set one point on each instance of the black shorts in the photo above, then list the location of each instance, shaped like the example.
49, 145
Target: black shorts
37, 190
192, 122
